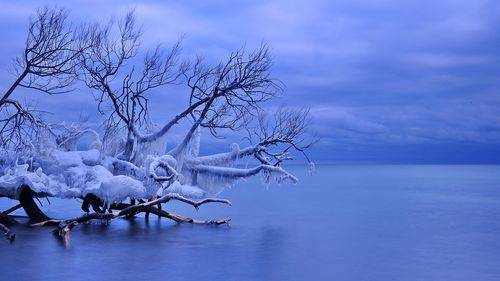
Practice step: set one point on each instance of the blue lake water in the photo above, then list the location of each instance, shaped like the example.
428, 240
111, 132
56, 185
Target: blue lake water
350, 222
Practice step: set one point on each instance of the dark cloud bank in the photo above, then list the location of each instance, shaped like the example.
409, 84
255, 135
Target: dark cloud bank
386, 81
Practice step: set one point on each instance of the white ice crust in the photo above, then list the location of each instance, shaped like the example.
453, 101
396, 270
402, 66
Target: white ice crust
57, 171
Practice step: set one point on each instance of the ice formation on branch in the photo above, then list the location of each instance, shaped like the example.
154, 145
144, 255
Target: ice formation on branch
60, 171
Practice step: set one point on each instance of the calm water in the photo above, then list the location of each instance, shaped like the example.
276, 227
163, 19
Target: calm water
344, 223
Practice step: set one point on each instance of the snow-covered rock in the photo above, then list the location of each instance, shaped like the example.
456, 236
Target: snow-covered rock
184, 190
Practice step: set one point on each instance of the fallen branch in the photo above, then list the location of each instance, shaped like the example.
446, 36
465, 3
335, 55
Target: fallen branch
195, 204
181, 219
12, 209
96, 203
64, 226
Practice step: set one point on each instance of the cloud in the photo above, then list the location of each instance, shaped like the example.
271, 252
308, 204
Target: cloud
345, 119
374, 73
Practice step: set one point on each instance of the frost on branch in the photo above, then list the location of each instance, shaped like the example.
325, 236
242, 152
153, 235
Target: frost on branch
126, 158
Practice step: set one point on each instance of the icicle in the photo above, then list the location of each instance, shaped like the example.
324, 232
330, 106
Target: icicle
194, 149
312, 168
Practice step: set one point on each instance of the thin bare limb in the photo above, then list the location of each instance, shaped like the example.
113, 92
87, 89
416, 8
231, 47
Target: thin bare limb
12, 209
195, 204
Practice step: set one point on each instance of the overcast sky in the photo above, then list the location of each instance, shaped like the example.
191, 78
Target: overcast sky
386, 81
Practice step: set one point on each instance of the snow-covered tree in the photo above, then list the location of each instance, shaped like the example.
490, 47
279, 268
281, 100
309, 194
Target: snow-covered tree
127, 159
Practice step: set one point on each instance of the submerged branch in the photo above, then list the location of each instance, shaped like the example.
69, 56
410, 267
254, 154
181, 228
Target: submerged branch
7, 232
63, 227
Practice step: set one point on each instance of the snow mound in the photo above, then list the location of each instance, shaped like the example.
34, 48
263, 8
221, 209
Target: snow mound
14, 178
184, 190
119, 188
53, 171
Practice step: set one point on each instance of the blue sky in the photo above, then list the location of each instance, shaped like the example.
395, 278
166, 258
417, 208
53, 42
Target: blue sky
386, 81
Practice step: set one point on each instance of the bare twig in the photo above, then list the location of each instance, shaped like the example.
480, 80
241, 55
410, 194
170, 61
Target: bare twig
48, 64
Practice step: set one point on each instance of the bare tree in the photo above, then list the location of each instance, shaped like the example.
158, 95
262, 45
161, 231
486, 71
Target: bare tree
229, 91
125, 88
287, 131
223, 97
47, 64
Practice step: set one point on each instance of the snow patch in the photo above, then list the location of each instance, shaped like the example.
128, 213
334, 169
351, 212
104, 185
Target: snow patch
184, 190
119, 188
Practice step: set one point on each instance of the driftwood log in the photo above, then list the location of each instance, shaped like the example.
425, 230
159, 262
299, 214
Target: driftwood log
115, 210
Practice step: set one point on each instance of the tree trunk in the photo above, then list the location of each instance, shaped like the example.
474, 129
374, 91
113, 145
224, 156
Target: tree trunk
29, 205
